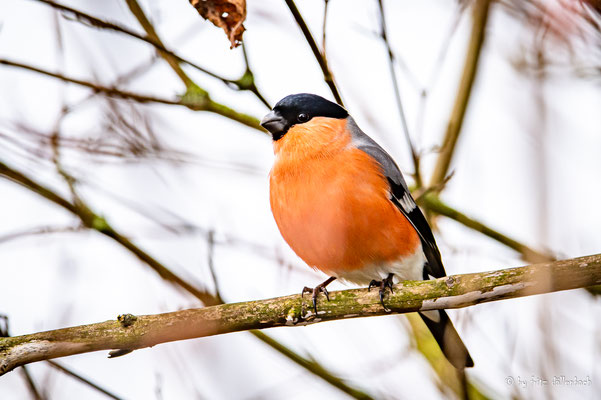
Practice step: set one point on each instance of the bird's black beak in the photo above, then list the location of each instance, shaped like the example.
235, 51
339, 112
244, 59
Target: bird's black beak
275, 124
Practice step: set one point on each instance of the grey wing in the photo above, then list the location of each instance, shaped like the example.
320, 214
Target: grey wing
401, 197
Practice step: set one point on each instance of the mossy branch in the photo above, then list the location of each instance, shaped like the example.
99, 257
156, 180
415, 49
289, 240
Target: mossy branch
129, 333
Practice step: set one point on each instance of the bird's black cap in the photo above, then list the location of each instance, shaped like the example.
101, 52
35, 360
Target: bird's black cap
297, 109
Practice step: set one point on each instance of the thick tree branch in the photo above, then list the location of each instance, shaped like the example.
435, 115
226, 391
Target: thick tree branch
479, 17
130, 332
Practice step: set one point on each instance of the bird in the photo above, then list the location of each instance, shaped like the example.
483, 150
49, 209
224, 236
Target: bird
341, 203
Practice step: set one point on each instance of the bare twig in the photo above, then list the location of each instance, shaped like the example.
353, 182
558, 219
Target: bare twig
323, 29
312, 366
195, 98
42, 230
397, 95
152, 38
31, 385
93, 221
101, 24
434, 204
247, 80
211, 262
323, 62
83, 380
113, 92
454, 291
173, 62
480, 17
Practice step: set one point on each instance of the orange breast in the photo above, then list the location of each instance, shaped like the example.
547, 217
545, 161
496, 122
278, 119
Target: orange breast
330, 201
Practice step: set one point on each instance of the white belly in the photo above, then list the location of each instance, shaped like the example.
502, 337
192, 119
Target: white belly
409, 268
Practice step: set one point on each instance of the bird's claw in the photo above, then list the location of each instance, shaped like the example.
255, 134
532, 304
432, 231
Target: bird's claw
384, 284
315, 292
388, 283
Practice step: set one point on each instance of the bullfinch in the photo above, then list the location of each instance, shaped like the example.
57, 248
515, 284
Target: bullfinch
341, 203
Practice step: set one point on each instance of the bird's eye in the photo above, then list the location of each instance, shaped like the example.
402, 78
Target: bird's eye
302, 117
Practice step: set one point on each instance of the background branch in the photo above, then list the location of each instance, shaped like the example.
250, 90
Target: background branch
173, 62
95, 22
246, 82
397, 96
433, 203
195, 98
321, 59
456, 291
479, 17
82, 379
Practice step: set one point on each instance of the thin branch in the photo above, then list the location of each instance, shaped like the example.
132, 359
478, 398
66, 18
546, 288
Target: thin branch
247, 80
99, 23
83, 380
323, 29
195, 98
93, 221
31, 385
173, 62
323, 62
109, 91
310, 365
434, 204
41, 230
479, 17
397, 95
454, 291
211, 263
152, 38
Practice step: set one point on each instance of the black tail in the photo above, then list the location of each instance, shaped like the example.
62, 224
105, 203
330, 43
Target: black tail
447, 338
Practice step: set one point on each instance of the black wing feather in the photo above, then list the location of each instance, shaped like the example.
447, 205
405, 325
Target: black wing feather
434, 265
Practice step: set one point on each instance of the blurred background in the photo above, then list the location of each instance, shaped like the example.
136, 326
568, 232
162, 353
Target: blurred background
162, 150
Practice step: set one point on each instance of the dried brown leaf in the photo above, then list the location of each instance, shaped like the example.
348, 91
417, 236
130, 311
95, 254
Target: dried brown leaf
226, 14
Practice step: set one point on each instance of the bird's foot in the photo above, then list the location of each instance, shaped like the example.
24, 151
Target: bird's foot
384, 284
316, 290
